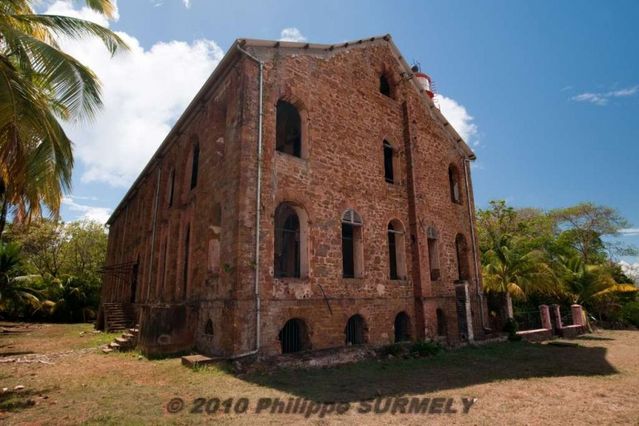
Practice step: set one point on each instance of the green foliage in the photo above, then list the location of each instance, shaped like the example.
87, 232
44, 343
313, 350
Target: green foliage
630, 313
58, 266
511, 327
562, 256
423, 348
395, 349
40, 86
16, 293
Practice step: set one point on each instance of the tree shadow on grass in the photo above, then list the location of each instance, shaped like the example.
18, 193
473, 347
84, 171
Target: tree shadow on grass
447, 370
13, 401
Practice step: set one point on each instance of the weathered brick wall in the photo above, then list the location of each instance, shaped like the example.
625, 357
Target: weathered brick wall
345, 121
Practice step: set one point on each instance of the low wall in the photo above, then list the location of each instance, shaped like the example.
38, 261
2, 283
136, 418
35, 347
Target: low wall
571, 331
536, 335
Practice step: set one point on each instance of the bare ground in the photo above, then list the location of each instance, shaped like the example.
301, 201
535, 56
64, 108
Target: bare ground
593, 380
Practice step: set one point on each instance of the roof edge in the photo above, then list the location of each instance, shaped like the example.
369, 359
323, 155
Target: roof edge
175, 131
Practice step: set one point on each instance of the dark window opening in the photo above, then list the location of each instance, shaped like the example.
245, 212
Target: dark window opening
208, 328
441, 323
185, 272
135, 279
171, 187
402, 327
348, 249
287, 242
351, 245
461, 250
294, 336
392, 251
288, 129
384, 86
388, 163
453, 180
355, 330
195, 165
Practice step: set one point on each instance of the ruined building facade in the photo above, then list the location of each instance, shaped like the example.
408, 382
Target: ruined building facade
311, 196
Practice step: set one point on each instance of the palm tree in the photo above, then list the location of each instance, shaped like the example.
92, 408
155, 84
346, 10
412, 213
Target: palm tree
15, 292
509, 274
585, 284
39, 86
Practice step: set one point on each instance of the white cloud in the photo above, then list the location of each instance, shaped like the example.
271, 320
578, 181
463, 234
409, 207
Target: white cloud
459, 118
630, 232
631, 270
144, 92
187, 3
291, 34
602, 98
98, 214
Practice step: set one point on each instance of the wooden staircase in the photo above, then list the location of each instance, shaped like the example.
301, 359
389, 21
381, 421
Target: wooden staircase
117, 316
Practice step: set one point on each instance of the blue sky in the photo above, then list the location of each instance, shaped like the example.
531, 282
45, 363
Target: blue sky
548, 92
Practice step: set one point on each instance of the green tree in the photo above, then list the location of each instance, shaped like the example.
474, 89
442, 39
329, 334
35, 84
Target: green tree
15, 291
84, 251
585, 227
507, 270
586, 284
39, 86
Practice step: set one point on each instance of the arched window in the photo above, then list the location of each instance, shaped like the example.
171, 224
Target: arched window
402, 327
396, 252
355, 330
389, 173
384, 86
208, 328
195, 160
288, 129
171, 187
352, 250
433, 254
287, 242
461, 249
453, 180
187, 253
441, 323
294, 336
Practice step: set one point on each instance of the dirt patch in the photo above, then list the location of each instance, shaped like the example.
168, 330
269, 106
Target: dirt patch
593, 381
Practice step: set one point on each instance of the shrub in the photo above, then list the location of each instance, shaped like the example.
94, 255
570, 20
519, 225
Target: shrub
425, 348
630, 313
395, 349
511, 327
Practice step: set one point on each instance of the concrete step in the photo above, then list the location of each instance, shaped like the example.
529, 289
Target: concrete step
192, 361
107, 350
123, 342
114, 345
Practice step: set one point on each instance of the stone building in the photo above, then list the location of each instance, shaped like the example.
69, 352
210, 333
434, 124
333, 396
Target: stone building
310, 196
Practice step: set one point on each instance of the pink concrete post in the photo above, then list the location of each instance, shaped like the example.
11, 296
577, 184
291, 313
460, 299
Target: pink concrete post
556, 314
577, 315
544, 312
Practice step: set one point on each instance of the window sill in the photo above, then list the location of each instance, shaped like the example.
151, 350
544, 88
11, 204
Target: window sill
291, 280
301, 160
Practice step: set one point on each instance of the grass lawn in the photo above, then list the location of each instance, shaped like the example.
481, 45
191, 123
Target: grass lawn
593, 380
